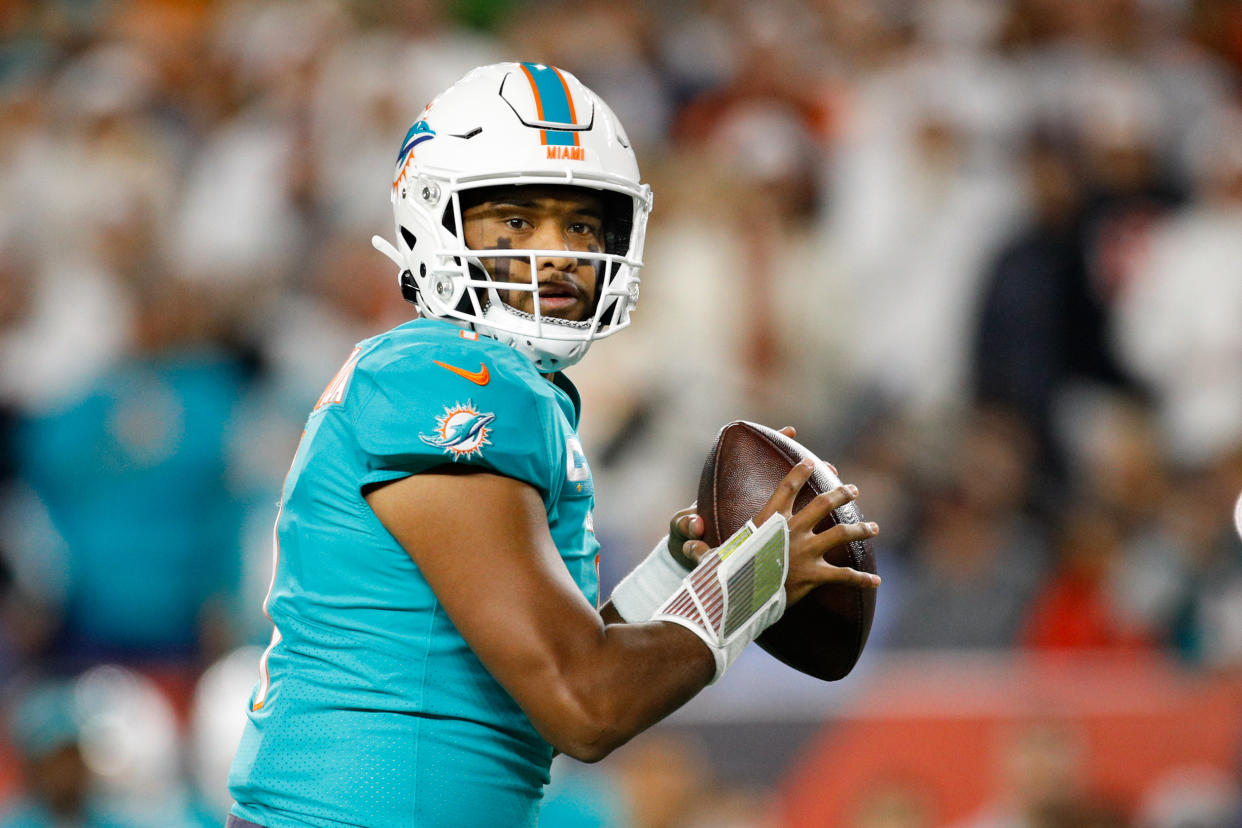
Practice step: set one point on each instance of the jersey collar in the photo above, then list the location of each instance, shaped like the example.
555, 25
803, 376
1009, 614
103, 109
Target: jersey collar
563, 383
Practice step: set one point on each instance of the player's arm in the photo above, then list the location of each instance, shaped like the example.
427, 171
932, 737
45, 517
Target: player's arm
494, 567
482, 542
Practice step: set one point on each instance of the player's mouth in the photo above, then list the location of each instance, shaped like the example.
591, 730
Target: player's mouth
559, 297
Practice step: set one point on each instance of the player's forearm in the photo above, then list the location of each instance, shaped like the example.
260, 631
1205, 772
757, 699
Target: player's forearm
634, 676
648, 668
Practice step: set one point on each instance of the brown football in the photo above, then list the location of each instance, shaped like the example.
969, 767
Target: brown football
823, 634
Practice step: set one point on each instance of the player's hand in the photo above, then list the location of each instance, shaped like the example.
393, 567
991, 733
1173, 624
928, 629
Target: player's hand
807, 567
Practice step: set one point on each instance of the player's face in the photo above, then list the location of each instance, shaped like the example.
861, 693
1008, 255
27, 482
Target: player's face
546, 218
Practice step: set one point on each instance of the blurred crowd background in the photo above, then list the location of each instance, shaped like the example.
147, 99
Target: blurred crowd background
986, 255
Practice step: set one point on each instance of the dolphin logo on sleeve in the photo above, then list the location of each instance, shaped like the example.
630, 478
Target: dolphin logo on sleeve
461, 431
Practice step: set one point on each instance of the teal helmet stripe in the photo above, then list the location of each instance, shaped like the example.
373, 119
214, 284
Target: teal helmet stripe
553, 102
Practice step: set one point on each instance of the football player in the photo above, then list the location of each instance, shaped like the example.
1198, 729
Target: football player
435, 586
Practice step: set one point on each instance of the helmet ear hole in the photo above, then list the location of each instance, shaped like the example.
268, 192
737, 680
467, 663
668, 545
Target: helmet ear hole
409, 289
410, 238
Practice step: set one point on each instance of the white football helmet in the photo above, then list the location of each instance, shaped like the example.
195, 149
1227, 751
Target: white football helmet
515, 124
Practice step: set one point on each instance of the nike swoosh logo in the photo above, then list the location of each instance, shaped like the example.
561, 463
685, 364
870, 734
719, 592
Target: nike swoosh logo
479, 377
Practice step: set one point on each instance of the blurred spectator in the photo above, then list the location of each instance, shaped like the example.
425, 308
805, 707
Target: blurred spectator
733, 805
976, 557
1179, 320
1025, 349
663, 777
57, 781
918, 201
1042, 784
99, 751
133, 478
894, 804
1190, 797
1128, 193
92, 175
1207, 619
1044, 323
1118, 468
248, 206
1078, 606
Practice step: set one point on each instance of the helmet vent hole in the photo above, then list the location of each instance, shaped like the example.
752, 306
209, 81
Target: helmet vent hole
410, 238
422, 269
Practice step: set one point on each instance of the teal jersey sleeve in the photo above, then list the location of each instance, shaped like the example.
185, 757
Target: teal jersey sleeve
423, 404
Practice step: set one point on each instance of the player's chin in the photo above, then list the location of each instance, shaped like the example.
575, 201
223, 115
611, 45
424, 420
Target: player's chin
571, 311
569, 308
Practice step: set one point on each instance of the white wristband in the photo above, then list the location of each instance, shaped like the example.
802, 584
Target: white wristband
648, 585
736, 592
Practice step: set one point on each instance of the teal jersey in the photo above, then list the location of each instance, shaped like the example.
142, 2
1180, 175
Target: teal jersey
371, 709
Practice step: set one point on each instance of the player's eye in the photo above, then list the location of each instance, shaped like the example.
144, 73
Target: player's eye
582, 228
517, 223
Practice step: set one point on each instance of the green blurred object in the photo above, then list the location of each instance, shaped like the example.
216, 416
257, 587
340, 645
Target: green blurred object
484, 15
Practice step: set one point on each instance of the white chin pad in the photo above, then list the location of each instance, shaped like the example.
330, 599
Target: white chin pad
736, 592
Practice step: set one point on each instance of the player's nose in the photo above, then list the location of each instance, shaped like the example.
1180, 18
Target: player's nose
549, 236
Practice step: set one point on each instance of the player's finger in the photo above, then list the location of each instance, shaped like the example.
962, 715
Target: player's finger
695, 550
679, 517
842, 534
826, 573
690, 526
782, 499
809, 516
